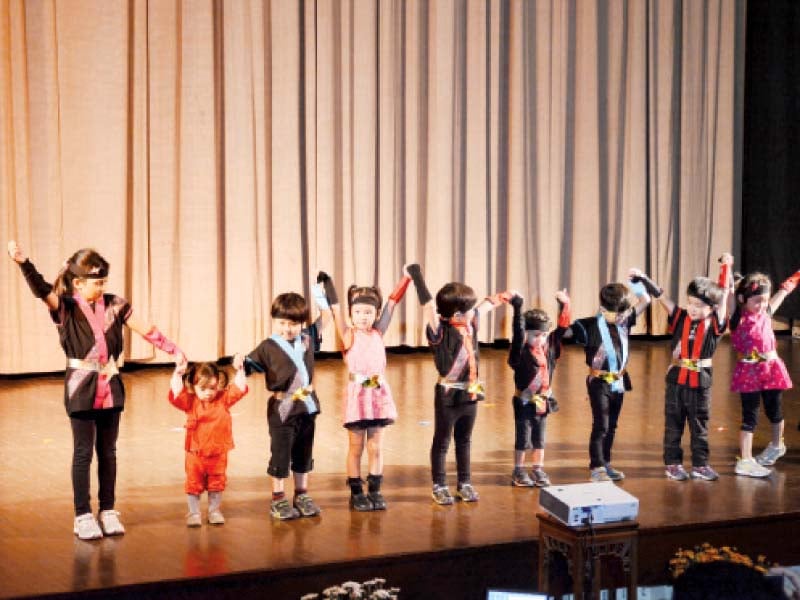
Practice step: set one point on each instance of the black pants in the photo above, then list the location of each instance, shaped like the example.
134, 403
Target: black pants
291, 444
456, 421
606, 406
772, 408
682, 405
95, 430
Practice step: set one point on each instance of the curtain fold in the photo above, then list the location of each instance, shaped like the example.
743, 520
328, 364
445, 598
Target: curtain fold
220, 153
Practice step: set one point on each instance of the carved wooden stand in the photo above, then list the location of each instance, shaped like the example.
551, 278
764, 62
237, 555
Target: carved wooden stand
583, 547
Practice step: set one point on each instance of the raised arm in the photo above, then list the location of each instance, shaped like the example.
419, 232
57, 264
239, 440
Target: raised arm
425, 298
332, 298
382, 324
725, 281
491, 302
517, 330
642, 282
40, 288
787, 287
325, 315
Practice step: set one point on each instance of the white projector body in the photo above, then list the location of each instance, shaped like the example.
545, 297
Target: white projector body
589, 503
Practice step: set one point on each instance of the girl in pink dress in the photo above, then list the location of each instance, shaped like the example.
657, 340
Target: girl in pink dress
368, 403
759, 372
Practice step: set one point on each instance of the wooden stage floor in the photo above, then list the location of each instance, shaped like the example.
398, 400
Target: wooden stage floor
428, 550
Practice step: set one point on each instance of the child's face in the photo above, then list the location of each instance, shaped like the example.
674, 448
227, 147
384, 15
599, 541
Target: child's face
206, 388
363, 315
287, 329
536, 338
757, 304
697, 309
90, 288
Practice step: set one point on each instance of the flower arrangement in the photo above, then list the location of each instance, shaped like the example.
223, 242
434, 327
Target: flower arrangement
706, 553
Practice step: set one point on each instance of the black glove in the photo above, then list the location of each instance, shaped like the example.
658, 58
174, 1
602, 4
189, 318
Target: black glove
649, 285
39, 287
330, 289
516, 302
419, 283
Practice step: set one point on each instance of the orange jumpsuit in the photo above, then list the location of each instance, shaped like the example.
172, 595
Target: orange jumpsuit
209, 437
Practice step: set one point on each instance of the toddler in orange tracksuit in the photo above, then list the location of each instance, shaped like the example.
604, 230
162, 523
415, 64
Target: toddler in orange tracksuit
204, 395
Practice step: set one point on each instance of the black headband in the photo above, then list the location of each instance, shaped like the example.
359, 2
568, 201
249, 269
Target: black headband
704, 299
756, 288
366, 299
93, 273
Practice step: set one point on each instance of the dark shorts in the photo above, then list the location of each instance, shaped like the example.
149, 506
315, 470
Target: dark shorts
291, 445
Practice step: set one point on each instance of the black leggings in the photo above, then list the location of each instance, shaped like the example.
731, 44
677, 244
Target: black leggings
456, 421
95, 430
751, 402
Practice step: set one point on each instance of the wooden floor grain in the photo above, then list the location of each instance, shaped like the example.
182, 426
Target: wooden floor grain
39, 554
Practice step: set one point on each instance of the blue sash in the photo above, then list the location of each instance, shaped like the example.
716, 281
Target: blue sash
296, 352
611, 353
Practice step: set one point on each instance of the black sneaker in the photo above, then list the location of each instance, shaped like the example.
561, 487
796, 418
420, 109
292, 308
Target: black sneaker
377, 499
306, 506
360, 503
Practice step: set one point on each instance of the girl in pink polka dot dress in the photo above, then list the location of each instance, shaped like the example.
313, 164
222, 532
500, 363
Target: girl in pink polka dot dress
760, 373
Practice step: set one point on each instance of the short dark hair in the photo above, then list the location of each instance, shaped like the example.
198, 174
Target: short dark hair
455, 297
290, 306
722, 580
706, 290
537, 320
615, 297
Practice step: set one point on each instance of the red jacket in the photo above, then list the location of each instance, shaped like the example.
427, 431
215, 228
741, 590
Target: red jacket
208, 424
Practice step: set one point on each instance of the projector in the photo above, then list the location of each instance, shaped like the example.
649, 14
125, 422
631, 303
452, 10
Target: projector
589, 503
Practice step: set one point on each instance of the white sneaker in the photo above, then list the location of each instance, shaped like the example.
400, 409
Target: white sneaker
86, 527
109, 522
751, 468
193, 520
770, 454
215, 518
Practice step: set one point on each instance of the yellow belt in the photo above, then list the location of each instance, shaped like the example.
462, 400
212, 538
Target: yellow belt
538, 400
367, 381
300, 393
693, 364
108, 369
476, 387
757, 357
607, 376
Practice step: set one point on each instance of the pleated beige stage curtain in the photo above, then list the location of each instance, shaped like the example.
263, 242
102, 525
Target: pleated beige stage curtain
219, 153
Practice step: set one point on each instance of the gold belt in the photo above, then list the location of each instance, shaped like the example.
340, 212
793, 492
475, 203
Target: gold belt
607, 376
476, 387
108, 369
367, 381
299, 394
692, 364
538, 400
757, 357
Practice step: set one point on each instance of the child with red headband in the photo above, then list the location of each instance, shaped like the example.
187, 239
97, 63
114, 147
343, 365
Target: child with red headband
369, 406
760, 373
90, 325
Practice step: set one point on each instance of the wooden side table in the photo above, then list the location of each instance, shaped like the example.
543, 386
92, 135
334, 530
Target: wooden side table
583, 547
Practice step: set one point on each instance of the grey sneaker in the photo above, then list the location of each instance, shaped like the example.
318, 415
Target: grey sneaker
86, 527
467, 493
193, 520
306, 506
705, 473
770, 454
109, 522
613, 474
676, 473
598, 474
441, 495
540, 477
282, 510
749, 467
520, 478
